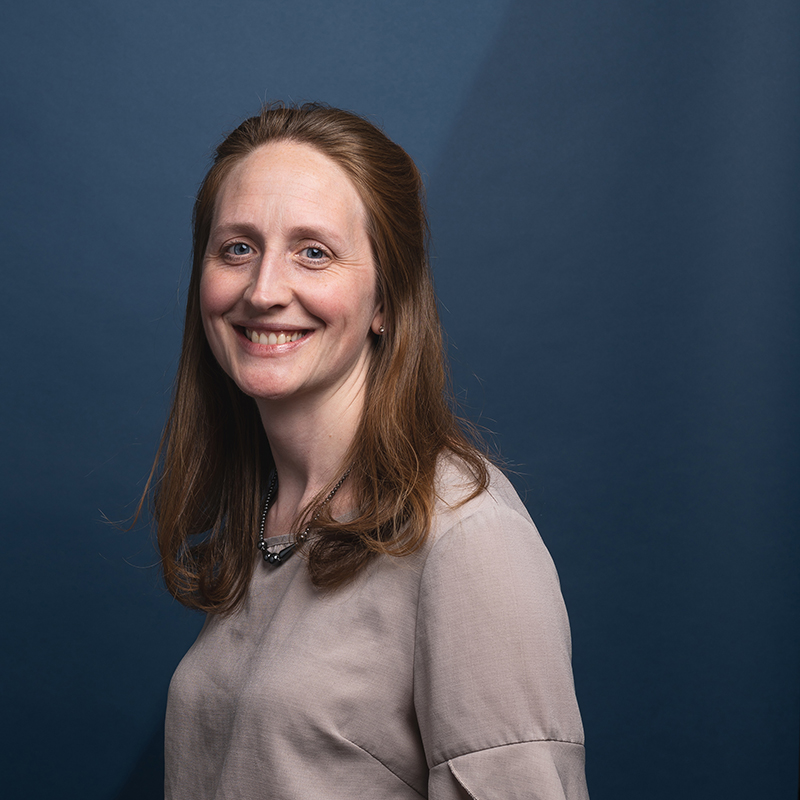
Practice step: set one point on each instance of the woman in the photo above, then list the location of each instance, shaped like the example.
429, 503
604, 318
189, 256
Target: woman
382, 617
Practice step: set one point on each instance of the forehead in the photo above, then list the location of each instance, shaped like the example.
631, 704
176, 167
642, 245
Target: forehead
290, 178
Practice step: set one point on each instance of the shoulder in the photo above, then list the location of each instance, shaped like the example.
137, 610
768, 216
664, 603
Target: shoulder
486, 550
455, 482
497, 513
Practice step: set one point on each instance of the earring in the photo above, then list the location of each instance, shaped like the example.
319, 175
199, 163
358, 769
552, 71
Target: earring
381, 330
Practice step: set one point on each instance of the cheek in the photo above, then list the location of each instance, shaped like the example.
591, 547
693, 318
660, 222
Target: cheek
354, 310
362, 301
214, 302
214, 298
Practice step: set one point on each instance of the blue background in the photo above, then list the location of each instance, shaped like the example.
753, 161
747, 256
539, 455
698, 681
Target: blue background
614, 191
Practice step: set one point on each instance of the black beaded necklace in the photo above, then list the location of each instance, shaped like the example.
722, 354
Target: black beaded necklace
278, 558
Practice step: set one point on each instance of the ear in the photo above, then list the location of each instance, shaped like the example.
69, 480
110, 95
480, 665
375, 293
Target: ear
377, 321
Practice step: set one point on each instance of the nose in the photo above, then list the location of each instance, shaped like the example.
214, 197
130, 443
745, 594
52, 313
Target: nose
270, 283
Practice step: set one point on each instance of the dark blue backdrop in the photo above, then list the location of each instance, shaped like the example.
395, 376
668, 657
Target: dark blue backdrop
614, 193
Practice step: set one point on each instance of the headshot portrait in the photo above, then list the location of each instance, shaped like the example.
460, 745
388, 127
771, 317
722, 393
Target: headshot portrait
402, 400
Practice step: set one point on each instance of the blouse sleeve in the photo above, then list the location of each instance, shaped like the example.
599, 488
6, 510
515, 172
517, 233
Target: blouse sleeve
493, 686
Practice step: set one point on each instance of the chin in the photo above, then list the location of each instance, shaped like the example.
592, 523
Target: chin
261, 392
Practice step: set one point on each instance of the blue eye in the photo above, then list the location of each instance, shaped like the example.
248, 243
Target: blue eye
240, 249
314, 253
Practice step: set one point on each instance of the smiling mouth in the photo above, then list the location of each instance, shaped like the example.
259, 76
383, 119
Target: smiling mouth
273, 337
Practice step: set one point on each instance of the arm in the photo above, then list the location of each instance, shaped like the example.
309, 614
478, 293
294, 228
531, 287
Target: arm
493, 680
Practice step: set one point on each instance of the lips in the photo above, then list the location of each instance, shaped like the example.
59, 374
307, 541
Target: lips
273, 337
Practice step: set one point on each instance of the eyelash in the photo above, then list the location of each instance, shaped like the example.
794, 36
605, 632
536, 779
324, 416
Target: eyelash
324, 254
228, 251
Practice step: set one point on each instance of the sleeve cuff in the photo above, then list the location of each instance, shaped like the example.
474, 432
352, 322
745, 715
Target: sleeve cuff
538, 770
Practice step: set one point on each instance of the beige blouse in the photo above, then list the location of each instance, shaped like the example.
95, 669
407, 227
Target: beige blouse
445, 674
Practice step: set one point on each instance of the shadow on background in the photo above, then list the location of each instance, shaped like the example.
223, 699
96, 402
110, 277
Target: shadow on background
146, 781
614, 223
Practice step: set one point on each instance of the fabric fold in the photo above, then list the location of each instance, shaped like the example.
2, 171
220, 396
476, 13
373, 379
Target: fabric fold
521, 771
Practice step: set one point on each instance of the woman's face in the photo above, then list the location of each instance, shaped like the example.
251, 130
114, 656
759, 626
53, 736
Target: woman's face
288, 289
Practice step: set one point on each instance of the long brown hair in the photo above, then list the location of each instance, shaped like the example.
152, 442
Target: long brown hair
214, 458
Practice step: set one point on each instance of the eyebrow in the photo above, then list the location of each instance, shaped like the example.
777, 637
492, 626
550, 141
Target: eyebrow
317, 232
233, 229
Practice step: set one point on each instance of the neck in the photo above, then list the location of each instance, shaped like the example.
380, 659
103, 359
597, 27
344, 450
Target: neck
309, 439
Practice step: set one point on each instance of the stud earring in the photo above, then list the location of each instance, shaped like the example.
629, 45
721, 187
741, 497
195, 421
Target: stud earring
381, 330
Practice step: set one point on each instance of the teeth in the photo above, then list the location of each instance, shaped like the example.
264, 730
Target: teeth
272, 338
